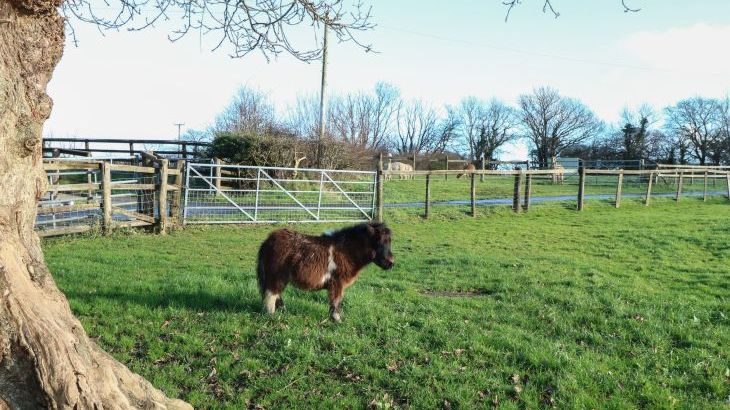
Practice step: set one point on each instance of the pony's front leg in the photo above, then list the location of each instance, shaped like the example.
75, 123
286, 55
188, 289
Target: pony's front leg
335, 292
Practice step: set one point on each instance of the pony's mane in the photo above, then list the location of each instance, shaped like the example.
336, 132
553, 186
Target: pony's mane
356, 230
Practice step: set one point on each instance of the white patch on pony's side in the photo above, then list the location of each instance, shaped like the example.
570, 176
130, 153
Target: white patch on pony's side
270, 302
331, 266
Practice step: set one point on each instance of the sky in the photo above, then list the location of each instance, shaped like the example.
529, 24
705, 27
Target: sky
138, 84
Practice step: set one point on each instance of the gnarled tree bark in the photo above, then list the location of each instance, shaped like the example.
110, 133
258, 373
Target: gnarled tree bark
46, 358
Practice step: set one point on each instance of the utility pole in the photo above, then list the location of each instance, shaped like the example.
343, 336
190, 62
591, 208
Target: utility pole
179, 128
322, 114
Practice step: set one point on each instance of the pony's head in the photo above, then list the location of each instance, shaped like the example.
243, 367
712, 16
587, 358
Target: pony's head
380, 237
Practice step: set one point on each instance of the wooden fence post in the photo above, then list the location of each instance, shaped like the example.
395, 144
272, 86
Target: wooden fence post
217, 174
528, 191
679, 187
414, 160
581, 186
473, 196
89, 177
428, 195
704, 195
379, 183
648, 189
517, 198
162, 210
106, 203
481, 177
727, 178
446, 176
619, 185
177, 194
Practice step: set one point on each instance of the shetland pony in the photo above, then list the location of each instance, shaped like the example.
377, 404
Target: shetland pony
331, 261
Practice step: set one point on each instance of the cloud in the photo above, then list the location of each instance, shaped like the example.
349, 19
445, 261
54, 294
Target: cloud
699, 48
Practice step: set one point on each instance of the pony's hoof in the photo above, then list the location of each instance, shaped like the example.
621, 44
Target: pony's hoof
336, 318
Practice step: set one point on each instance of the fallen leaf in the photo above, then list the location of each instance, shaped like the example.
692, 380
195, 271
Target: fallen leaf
392, 366
165, 324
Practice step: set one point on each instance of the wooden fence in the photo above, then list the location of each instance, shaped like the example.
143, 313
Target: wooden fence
86, 195
522, 192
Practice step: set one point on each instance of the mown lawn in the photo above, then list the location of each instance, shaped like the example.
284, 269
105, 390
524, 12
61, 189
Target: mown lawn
608, 308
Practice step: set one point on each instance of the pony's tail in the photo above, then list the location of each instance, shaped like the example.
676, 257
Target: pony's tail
260, 274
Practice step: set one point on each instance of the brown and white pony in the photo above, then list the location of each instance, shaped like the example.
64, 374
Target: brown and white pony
331, 261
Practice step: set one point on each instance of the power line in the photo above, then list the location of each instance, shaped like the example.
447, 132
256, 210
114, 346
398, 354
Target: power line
547, 55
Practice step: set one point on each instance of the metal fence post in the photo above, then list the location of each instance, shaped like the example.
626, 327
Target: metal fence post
321, 188
187, 192
256, 201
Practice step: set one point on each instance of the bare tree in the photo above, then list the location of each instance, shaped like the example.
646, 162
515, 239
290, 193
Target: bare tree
302, 119
416, 128
250, 112
699, 120
470, 113
386, 101
48, 360
498, 125
552, 122
637, 138
364, 119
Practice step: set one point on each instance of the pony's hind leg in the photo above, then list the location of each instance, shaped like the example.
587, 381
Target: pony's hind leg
270, 301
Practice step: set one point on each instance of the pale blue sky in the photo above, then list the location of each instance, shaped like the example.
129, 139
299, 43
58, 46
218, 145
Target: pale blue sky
137, 84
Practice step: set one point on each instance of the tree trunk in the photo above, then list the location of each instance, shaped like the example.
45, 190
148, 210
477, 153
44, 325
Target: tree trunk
46, 358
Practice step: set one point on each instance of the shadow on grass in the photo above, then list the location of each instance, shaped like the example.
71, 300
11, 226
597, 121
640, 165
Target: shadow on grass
196, 301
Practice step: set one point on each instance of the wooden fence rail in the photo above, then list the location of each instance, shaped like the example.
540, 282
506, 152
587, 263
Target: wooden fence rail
523, 180
151, 194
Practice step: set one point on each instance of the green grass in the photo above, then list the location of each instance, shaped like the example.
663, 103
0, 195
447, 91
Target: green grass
606, 308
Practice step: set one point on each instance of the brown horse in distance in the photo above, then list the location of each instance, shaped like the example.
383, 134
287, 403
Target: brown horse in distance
331, 261
468, 170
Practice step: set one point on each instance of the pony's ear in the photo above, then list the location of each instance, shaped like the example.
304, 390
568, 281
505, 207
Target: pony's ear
371, 230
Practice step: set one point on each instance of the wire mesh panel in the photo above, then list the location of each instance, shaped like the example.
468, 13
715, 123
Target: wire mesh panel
74, 199
134, 197
71, 202
217, 193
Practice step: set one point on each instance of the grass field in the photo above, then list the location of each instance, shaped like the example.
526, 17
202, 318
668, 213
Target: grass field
606, 308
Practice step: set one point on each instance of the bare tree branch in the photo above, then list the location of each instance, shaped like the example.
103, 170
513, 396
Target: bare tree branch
547, 5
244, 25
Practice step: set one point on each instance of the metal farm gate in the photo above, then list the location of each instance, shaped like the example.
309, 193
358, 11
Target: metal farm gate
218, 194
